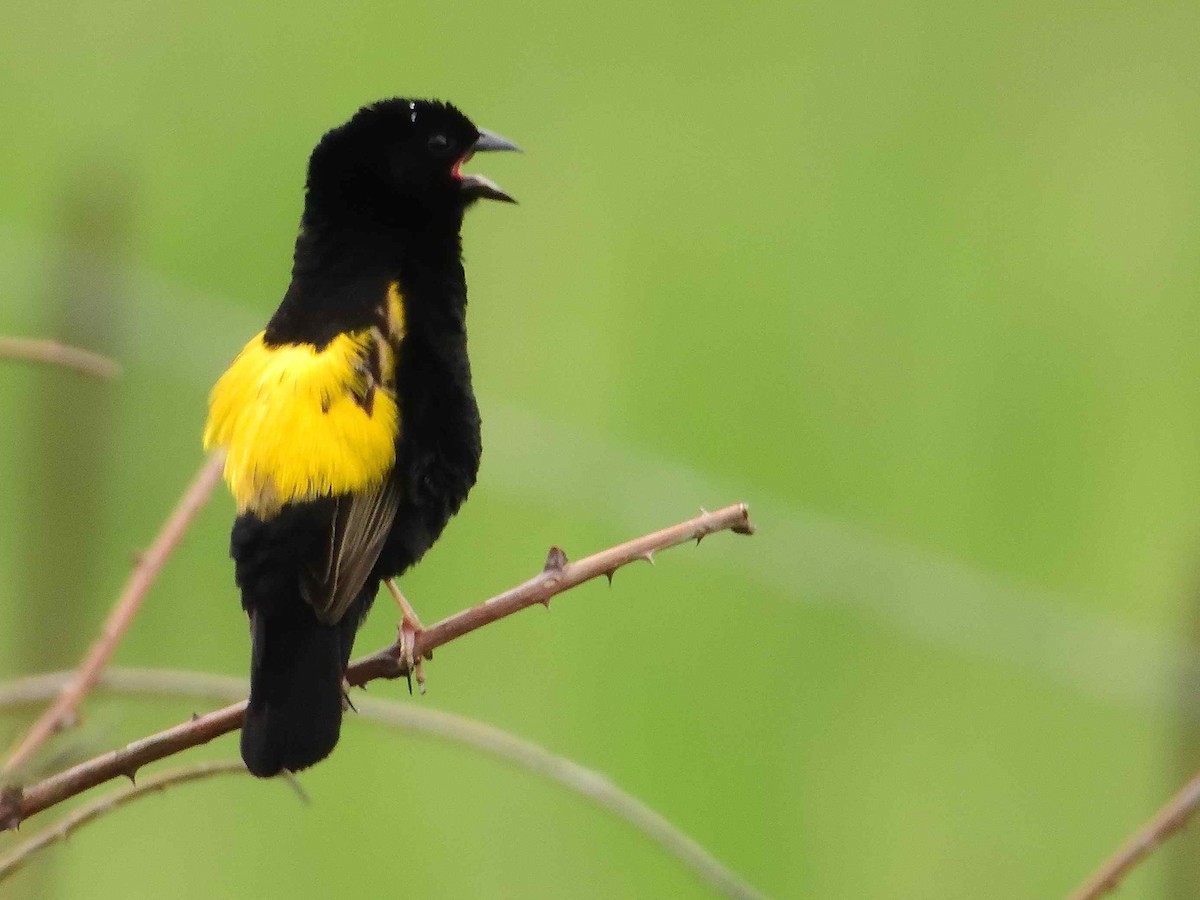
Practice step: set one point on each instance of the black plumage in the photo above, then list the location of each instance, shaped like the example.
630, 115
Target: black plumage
383, 209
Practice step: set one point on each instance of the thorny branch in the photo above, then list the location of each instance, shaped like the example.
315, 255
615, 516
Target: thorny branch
54, 353
65, 708
417, 719
558, 575
106, 804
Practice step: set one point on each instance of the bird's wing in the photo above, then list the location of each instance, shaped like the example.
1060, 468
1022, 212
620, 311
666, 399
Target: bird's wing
301, 422
359, 528
361, 519
304, 423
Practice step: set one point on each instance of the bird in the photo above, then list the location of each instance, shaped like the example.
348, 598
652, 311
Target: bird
349, 424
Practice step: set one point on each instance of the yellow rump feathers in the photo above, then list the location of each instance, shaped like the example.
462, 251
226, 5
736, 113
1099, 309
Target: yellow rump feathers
300, 423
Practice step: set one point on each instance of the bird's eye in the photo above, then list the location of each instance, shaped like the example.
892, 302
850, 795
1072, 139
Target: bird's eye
439, 144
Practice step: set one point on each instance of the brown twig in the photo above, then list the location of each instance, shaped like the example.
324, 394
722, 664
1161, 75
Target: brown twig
1171, 818
17, 805
54, 353
412, 718
65, 708
106, 804
557, 575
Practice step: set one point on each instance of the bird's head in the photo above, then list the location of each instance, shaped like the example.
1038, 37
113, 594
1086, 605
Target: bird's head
401, 154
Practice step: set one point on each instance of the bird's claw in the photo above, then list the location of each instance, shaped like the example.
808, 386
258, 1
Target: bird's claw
406, 640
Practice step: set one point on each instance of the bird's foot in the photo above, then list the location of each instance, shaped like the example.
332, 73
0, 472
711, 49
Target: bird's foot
412, 664
410, 628
347, 703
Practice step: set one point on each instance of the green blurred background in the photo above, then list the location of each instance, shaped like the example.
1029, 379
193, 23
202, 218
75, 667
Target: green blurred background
918, 281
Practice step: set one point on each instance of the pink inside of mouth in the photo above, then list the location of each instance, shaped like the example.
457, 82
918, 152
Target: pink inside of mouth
456, 172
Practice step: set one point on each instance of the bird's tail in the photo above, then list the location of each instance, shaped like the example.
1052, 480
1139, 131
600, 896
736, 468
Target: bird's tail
295, 710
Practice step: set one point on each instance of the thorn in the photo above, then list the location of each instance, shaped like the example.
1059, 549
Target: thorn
745, 526
701, 536
704, 512
132, 776
195, 716
555, 560
10, 807
648, 556
609, 575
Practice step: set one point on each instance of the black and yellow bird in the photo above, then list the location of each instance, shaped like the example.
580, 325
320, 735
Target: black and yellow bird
350, 425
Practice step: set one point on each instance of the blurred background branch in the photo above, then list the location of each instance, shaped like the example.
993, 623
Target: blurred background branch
64, 711
1173, 816
62, 522
408, 717
57, 354
89, 812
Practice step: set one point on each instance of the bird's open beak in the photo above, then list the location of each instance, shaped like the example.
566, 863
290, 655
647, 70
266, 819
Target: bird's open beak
480, 186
